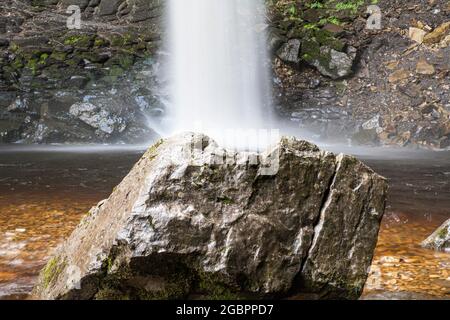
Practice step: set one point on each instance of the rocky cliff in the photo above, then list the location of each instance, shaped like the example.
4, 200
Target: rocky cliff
192, 220
88, 85
340, 75
332, 74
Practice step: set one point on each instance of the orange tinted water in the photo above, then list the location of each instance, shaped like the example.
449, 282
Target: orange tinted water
43, 196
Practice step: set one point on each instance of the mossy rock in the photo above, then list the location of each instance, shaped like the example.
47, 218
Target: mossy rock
58, 56
310, 50
80, 40
94, 56
123, 40
116, 71
101, 42
326, 38
211, 287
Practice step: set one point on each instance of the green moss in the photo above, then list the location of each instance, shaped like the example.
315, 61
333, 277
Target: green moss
74, 61
150, 222
225, 200
111, 294
310, 50
126, 61
58, 56
176, 289
81, 40
152, 150
43, 58
315, 5
100, 42
214, 289
123, 40
14, 47
17, 63
176, 283
442, 234
351, 5
52, 271
32, 64
115, 71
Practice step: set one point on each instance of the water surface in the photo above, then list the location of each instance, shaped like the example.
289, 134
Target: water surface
45, 191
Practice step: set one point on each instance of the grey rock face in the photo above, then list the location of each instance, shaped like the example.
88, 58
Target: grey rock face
98, 118
336, 64
275, 39
440, 239
289, 52
108, 7
81, 3
195, 226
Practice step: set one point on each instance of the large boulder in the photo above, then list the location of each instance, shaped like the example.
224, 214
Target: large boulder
193, 221
440, 239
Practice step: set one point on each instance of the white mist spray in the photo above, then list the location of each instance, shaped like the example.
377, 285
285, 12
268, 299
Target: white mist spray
217, 66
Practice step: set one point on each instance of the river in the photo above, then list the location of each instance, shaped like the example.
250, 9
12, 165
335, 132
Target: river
44, 191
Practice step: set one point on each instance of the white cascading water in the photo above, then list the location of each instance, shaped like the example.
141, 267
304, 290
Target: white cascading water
219, 82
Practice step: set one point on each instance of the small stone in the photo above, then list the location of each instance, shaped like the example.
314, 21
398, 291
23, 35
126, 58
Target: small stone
445, 42
290, 51
438, 34
392, 65
334, 64
374, 123
399, 75
333, 28
417, 34
423, 67
108, 7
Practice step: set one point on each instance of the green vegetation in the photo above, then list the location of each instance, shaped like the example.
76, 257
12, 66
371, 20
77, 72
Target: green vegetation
225, 200
80, 40
352, 6
213, 289
327, 11
443, 233
151, 152
310, 22
52, 271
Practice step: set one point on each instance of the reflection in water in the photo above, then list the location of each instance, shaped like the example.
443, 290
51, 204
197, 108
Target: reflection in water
43, 195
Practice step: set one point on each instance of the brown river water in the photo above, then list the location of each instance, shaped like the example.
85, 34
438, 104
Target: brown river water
45, 192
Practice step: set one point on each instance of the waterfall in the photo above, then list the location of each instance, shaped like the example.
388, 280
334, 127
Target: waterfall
218, 70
